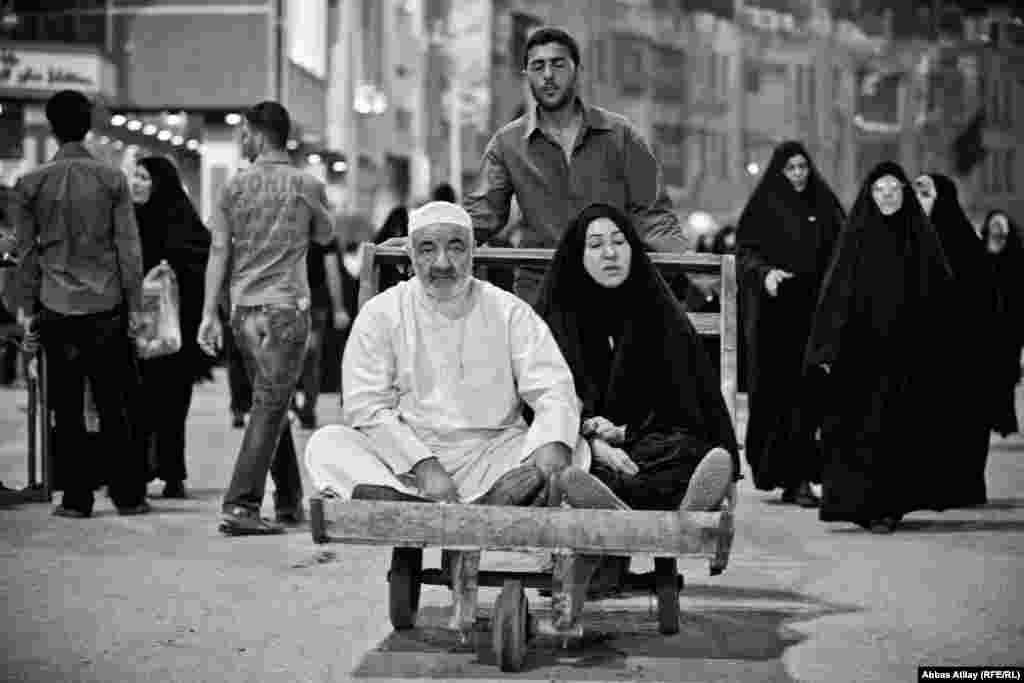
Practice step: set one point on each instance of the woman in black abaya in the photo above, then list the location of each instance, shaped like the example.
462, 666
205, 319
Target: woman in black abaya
881, 332
973, 299
1006, 336
783, 245
172, 235
652, 408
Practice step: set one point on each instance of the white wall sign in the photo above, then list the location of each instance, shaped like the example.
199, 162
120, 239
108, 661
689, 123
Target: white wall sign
50, 71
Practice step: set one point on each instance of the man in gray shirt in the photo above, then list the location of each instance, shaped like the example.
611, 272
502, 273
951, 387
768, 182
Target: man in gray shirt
264, 222
79, 279
563, 156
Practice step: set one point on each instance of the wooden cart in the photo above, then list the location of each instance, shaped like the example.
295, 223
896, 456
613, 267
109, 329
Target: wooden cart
470, 529
411, 527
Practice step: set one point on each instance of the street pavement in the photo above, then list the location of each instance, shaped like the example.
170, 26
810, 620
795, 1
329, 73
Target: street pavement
164, 597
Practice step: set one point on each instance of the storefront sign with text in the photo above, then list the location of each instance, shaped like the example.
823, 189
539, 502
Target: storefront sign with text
50, 72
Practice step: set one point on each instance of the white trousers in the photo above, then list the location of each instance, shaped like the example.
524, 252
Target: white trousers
339, 458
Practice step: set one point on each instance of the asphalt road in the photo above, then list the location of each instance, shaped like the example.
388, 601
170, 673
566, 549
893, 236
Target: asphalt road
165, 598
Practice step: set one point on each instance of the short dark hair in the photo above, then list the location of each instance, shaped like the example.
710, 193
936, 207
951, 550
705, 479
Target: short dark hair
444, 193
550, 34
70, 115
271, 119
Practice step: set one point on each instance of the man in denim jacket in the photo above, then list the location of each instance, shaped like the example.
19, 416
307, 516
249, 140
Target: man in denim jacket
265, 219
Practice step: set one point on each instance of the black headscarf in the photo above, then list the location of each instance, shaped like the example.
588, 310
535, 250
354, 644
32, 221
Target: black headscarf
1007, 269
773, 222
658, 376
963, 249
973, 297
169, 226
883, 323
395, 225
890, 272
1013, 239
170, 229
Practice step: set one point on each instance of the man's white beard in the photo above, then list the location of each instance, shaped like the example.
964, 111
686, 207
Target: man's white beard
456, 302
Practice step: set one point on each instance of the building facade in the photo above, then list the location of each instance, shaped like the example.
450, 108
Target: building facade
172, 77
716, 85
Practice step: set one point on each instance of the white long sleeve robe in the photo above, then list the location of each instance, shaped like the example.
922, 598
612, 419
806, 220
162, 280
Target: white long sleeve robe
420, 384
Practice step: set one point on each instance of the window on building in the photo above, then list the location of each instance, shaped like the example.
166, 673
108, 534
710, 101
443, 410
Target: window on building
1009, 85
403, 119
812, 92
631, 56
999, 172
1009, 170
999, 95
669, 74
522, 26
670, 143
804, 89
373, 37
992, 172
601, 60
798, 86
715, 155
752, 78
723, 80
307, 35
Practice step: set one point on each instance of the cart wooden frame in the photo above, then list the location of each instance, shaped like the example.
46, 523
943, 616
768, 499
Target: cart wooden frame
410, 527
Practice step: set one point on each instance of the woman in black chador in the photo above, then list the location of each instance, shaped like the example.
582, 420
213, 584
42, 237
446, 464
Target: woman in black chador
653, 412
881, 333
783, 246
1006, 336
652, 408
973, 298
171, 233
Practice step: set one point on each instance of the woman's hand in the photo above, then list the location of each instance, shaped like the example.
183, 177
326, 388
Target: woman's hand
613, 458
774, 278
603, 428
158, 270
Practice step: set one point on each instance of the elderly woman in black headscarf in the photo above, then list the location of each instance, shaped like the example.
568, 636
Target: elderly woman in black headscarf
973, 298
783, 245
174, 237
1002, 240
881, 332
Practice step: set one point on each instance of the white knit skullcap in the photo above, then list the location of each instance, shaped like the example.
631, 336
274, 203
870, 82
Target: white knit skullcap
434, 213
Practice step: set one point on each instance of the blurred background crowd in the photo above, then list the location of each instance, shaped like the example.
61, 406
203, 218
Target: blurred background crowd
393, 98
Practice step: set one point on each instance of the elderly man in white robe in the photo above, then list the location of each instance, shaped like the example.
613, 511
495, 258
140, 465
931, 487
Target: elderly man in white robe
434, 376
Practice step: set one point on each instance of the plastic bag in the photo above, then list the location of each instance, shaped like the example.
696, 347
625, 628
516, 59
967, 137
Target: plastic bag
159, 332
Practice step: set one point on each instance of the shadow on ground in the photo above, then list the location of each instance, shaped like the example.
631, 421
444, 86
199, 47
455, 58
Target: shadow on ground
729, 635
942, 526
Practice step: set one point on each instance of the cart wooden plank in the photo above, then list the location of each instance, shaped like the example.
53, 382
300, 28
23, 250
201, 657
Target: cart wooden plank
484, 527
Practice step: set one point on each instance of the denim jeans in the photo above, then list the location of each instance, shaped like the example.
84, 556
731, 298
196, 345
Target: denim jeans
239, 384
95, 346
272, 342
312, 369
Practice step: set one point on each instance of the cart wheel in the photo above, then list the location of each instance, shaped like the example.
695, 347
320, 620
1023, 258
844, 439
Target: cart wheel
404, 587
667, 588
510, 627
